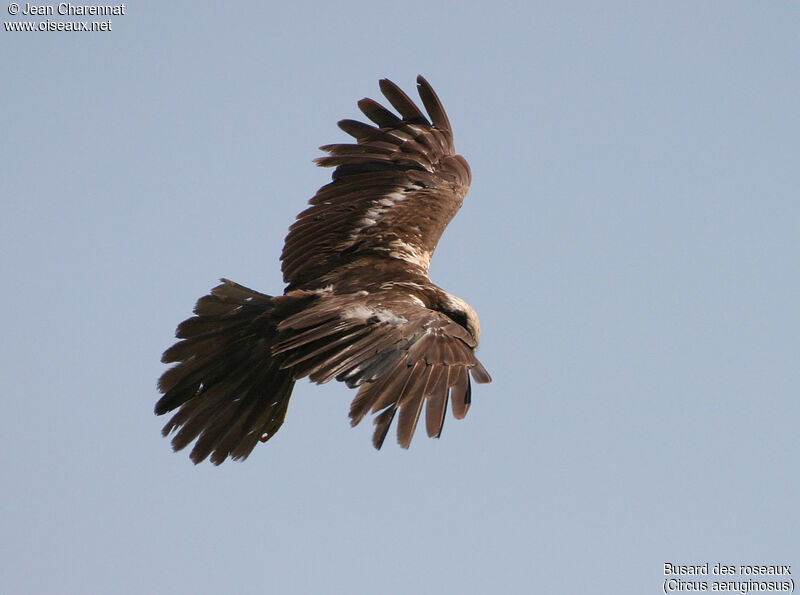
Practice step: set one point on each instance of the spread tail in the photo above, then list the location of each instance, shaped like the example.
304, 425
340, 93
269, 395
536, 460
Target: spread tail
229, 390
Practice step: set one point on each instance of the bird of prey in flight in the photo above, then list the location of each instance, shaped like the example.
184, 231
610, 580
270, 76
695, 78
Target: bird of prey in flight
358, 305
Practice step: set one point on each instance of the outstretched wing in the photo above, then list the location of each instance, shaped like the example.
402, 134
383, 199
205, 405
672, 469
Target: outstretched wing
400, 353
393, 192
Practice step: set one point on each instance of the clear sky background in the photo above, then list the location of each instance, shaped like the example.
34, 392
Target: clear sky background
629, 241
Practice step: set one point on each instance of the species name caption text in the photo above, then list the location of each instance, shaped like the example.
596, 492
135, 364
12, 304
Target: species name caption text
62, 9
728, 578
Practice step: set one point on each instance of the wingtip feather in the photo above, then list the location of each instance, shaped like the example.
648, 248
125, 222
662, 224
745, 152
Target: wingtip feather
433, 104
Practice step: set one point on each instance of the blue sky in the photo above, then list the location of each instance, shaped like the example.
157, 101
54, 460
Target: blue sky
629, 242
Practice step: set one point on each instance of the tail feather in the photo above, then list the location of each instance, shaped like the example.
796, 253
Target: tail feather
227, 386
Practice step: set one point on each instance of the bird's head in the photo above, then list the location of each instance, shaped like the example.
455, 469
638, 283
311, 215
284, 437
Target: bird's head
462, 313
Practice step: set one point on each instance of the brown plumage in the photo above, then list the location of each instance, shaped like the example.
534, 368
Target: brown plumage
358, 307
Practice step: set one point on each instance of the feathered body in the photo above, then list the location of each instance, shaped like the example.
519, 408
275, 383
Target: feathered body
358, 307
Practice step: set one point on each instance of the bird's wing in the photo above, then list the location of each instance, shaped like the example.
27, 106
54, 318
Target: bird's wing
393, 192
400, 353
